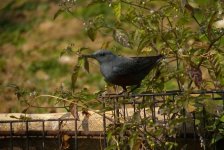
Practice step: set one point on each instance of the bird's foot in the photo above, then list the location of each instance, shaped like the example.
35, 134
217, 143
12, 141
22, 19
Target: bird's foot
125, 93
122, 92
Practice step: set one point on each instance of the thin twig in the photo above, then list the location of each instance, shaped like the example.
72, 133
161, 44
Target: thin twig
207, 50
136, 5
176, 54
72, 102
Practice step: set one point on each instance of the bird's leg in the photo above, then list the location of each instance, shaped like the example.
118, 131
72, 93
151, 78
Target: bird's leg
116, 89
124, 90
137, 86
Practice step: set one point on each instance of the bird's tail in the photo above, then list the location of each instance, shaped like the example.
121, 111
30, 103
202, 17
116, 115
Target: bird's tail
160, 57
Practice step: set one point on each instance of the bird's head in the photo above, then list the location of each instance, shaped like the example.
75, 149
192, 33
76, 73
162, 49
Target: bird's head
102, 56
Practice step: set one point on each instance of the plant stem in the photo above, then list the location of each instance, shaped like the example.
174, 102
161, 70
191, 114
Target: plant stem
136, 5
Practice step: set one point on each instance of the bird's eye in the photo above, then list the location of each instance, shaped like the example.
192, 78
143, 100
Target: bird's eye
102, 54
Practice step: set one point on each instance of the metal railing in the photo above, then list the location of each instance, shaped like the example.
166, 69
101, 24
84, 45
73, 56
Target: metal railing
121, 106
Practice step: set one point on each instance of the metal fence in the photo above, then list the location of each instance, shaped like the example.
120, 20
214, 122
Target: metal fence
122, 108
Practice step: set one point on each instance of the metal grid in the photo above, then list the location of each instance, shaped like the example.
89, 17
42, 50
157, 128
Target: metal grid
8, 139
187, 134
121, 106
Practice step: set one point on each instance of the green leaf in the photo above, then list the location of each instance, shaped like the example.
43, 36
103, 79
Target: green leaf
111, 147
109, 136
197, 122
60, 11
62, 53
91, 33
209, 29
142, 44
75, 74
212, 106
83, 48
86, 64
117, 10
105, 45
68, 50
216, 138
14, 117
222, 118
133, 140
26, 109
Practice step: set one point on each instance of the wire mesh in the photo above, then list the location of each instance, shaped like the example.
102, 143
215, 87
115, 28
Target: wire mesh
122, 108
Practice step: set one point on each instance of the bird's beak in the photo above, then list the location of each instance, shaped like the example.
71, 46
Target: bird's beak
88, 56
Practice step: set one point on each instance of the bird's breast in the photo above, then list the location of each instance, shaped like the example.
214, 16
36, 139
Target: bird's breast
106, 70
114, 78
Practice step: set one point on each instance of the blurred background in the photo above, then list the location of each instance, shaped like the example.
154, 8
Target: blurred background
35, 33
30, 45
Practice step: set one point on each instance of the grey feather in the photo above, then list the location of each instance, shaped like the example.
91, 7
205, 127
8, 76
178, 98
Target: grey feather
124, 71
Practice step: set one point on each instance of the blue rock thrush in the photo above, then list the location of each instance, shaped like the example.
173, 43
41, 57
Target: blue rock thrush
124, 71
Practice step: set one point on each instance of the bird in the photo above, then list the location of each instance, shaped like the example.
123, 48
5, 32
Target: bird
124, 71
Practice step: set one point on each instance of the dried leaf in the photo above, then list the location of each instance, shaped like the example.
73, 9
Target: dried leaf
66, 137
196, 75
74, 110
65, 141
190, 107
121, 37
137, 144
85, 124
75, 75
85, 112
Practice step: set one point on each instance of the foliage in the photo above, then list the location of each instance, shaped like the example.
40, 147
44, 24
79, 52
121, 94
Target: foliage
190, 34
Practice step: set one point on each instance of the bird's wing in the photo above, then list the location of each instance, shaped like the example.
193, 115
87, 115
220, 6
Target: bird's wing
134, 65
